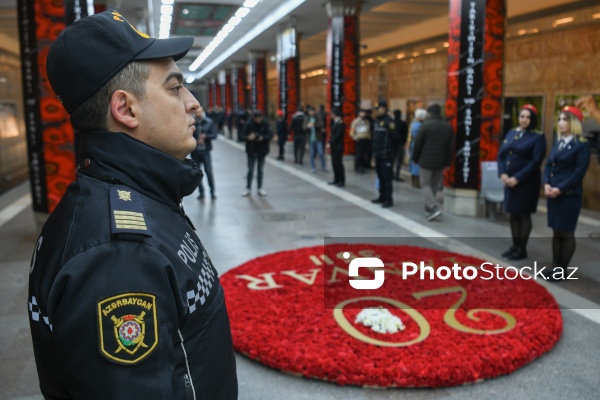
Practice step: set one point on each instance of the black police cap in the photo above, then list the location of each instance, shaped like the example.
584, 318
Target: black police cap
91, 51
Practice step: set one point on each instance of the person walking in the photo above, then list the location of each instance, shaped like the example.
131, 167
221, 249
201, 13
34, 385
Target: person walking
384, 143
433, 152
315, 130
257, 135
564, 171
519, 161
402, 134
124, 301
205, 133
420, 115
336, 144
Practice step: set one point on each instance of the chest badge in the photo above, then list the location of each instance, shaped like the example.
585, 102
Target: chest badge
128, 327
124, 195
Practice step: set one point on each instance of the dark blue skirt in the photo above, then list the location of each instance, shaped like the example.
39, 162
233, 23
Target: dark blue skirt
563, 212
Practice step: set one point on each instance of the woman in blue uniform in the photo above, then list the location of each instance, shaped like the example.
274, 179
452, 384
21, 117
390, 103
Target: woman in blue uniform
519, 161
563, 185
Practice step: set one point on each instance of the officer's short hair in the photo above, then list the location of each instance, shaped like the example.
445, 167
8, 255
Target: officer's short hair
92, 115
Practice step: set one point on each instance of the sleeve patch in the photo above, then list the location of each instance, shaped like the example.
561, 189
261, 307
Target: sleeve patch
127, 213
127, 327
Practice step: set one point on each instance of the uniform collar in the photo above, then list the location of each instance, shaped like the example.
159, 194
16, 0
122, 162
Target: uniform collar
137, 165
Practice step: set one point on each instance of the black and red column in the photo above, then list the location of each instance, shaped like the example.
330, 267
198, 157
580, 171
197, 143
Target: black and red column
475, 89
343, 61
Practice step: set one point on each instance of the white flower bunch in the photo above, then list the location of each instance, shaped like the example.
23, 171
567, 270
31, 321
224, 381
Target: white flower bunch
380, 319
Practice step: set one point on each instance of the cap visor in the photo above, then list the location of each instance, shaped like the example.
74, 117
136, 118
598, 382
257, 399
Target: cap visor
161, 48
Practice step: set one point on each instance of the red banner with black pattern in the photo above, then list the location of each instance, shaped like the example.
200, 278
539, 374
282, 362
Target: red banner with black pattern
351, 83
240, 84
292, 80
228, 94
343, 71
211, 101
475, 86
50, 137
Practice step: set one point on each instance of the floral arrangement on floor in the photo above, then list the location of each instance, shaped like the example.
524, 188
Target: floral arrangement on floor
450, 332
380, 320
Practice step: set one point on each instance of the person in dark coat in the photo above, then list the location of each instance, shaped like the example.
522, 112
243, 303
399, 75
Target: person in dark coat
402, 134
519, 160
433, 152
385, 142
241, 119
563, 186
205, 133
336, 144
298, 127
282, 133
257, 134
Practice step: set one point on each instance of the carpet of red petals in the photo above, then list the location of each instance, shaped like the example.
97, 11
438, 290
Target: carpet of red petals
282, 320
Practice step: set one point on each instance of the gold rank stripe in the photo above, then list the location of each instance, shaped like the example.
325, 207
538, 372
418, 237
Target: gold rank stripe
127, 218
134, 227
128, 213
130, 220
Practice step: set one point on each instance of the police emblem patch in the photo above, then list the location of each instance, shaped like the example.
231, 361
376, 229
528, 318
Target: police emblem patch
128, 327
124, 195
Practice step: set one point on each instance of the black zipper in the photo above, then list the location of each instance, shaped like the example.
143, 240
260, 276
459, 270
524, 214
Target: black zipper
189, 221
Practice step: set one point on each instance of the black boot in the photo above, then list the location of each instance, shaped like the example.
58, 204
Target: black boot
519, 254
509, 252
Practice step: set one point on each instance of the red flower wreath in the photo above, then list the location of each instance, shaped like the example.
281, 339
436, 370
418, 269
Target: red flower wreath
280, 312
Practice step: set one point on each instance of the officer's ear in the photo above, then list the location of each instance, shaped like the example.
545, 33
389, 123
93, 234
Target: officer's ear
123, 109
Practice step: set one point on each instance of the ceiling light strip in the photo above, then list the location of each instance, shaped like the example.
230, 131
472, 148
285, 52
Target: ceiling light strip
269, 21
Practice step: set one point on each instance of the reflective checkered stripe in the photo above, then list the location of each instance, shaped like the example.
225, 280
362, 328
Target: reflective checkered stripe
202, 291
34, 309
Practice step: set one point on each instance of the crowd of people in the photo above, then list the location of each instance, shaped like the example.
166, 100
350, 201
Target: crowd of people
382, 141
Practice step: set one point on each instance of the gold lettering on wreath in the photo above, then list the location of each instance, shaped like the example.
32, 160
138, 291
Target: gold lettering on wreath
308, 278
261, 284
450, 315
424, 327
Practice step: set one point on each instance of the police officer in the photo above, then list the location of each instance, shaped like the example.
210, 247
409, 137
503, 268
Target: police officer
519, 160
124, 302
564, 171
384, 143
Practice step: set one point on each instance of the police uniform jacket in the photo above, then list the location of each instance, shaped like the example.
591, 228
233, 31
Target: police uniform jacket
385, 139
124, 302
434, 144
565, 169
521, 156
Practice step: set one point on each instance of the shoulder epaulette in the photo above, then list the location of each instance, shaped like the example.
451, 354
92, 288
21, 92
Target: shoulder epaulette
127, 213
582, 139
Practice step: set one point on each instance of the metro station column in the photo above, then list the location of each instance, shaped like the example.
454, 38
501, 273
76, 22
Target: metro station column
238, 87
343, 62
258, 81
288, 69
474, 102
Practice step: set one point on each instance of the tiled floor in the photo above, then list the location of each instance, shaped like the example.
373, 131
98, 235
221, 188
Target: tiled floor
300, 210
